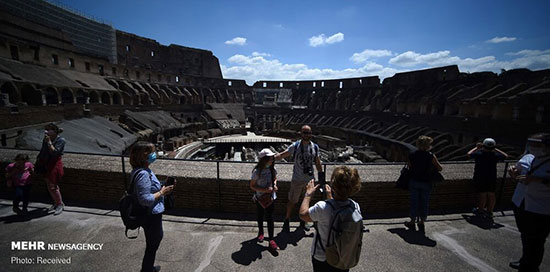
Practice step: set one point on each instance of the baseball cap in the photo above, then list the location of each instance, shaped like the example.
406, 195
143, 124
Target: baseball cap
266, 152
489, 142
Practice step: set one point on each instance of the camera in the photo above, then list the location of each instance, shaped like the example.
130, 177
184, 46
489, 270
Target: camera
308, 171
170, 181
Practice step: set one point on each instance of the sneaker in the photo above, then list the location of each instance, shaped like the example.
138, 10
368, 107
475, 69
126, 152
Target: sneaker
156, 268
17, 210
286, 226
58, 209
25, 211
478, 211
52, 207
410, 225
260, 238
421, 228
304, 225
273, 245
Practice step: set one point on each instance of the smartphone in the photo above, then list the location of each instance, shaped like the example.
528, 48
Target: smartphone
170, 181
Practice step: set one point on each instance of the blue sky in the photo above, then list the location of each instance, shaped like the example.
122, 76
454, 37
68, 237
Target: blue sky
287, 40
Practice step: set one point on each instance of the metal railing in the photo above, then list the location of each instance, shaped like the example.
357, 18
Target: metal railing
325, 164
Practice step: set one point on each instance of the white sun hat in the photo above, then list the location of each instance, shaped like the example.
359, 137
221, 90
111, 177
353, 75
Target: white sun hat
266, 152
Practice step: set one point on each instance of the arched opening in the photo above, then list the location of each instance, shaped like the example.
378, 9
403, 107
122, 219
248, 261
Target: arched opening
105, 98
67, 96
94, 97
116, 99
31, 96
51, 96
182, 100
10, 89
81, 96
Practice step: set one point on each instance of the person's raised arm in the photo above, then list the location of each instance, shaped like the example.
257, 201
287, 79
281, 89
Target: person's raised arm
436, 163
476, 148
283, 155
304, 208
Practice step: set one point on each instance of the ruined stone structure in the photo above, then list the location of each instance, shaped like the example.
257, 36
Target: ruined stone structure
457, 109
77, 67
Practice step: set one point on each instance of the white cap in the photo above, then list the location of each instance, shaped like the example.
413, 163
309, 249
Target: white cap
266, 152
489, 142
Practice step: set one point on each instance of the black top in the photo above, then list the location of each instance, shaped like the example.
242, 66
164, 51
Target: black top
486, 165
421, 163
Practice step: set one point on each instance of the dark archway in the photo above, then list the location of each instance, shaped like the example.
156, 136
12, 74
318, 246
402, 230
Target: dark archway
116, 99
52, 97
31, 96
94, 97
81, 96
67, 96
105, 98
183, 100
10, 89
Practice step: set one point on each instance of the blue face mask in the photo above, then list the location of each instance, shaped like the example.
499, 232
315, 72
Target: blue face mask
151, 158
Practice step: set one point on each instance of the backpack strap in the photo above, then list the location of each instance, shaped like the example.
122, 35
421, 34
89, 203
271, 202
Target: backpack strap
532, 170
132, 185
318, 236
333, 218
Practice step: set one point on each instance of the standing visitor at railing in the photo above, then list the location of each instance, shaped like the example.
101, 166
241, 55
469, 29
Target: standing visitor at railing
264, 184
305, 153
49, 164
486, 157
18, 176
422, 164
150, 194
532, 201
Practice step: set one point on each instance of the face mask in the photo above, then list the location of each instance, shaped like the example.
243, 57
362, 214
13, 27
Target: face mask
151, 158
537, 151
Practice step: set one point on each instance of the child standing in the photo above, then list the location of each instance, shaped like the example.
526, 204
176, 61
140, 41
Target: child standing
18, 175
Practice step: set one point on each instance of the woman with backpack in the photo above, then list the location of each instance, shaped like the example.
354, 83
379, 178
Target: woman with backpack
345, 182
264, 183
422, 164
150, 194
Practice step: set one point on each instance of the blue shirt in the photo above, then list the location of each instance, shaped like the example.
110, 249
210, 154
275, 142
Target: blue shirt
146, 185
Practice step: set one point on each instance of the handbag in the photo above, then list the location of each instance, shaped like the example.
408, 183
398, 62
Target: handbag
265, 200
404, 178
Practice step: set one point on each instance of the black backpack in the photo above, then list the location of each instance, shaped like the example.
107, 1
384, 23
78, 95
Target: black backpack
131, 212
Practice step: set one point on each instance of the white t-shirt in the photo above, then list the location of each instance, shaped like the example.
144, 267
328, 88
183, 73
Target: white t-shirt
263, 180
304, 157
536, 195
321, 213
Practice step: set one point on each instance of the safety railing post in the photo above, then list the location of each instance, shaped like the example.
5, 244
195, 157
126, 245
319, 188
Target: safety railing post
219, 185
124, 173
502, 188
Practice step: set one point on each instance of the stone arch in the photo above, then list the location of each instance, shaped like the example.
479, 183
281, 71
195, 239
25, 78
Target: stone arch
106, 98
52, 96
94, 97
67, 96
81, 97
31, 96
117, 99
11, 90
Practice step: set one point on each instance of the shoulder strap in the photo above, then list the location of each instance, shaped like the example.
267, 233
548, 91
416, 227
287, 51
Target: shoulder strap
131, 189
532, 170
318, 237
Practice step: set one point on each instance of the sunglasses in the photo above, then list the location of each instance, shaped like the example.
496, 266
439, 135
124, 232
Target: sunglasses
306, 132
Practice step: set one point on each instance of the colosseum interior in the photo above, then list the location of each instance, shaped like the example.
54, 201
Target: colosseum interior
108, 89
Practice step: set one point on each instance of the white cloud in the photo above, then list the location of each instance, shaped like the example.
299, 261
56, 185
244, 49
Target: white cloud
256, 54
501, 39
529, 53
236, 41
253, 68
322, 39
368, 53
261, 66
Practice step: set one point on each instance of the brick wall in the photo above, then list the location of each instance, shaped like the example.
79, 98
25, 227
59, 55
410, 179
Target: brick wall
98, 181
